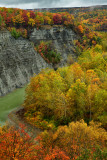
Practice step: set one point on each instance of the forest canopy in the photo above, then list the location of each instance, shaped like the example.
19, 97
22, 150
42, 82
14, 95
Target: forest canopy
70, 104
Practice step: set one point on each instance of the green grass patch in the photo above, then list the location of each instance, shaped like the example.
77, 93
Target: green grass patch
10, 102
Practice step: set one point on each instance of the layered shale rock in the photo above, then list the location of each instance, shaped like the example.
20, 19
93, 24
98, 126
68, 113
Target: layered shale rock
61, 37
19, 61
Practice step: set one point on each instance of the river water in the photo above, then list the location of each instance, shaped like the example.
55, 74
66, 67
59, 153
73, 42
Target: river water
10, 102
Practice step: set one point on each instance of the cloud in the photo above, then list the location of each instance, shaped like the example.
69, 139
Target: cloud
49, 3
28, 3
13, 2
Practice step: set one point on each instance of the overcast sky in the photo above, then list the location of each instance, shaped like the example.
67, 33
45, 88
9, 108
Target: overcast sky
30, 4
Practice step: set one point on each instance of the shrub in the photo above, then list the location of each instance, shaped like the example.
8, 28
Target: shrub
45, 49
15, 33
2, 23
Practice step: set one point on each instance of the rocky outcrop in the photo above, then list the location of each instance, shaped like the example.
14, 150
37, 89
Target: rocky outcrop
19, 61
61, 37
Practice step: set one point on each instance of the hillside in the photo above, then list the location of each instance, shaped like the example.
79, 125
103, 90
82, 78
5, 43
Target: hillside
64, 33
20, 61
68, 100
71, 10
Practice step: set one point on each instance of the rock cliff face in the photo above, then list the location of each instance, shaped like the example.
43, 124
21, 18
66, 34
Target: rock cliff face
62, 39
19, 61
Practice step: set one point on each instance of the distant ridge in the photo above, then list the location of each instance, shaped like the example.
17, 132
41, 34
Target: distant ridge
70, 9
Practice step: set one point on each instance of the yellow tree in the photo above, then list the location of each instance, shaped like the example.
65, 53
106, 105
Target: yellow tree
77, 138
93, 82
76, 99
100, 107
45, 93
92, 89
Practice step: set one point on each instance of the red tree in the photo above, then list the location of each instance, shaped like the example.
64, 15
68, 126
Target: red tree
57, 18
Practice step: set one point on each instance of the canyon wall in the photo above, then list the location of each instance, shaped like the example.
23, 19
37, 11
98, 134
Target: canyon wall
61, 37
19, 61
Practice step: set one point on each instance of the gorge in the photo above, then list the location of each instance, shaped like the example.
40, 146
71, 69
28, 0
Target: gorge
19, 61
53, 84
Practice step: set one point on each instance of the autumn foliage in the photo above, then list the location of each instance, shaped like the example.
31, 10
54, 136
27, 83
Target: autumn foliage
19, 18
47, 51
71, 93
58, 101
15, 144
84, 23
76, 141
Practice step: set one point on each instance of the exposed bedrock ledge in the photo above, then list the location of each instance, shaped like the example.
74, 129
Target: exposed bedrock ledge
61, 37
19, 61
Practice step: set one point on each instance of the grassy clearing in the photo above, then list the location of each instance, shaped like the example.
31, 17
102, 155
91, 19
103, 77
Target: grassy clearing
10, 102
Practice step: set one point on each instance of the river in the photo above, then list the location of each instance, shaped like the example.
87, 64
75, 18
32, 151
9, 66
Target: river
10, 102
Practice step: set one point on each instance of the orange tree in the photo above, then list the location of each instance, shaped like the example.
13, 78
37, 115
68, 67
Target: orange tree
15, 144
78, 140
